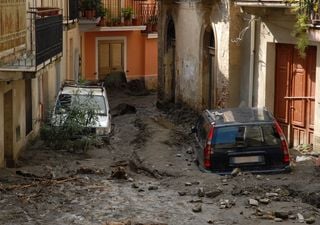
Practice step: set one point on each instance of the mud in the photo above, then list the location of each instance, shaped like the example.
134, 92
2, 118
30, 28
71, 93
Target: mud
146, 175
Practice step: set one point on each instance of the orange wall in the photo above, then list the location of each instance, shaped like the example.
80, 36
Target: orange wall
151, 56
141, 53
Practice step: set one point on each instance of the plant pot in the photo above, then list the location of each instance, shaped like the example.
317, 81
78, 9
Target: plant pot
154, 27
134, 22
127, 22
47, 11
90, 13
149, 28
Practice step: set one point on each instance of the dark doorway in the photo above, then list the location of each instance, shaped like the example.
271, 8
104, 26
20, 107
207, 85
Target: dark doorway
170, 67
28, 103
8, 129
208, 68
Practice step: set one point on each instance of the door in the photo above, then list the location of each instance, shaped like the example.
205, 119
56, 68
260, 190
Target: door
295, 93
110, 57
8, 129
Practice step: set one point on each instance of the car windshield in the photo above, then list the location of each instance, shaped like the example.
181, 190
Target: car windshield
246, 136
93, 101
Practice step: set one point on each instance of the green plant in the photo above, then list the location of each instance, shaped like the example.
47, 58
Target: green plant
304, 9
69, 127
127, 13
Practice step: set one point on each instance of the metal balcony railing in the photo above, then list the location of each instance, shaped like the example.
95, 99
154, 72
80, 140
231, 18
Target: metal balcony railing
73, 9
43, 41
142, 12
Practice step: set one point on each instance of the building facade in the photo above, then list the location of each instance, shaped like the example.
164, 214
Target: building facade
198, 60
281, 79
32, 67
120, 40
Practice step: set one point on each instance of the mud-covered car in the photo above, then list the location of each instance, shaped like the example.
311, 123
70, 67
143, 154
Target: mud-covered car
245, 138
90, 101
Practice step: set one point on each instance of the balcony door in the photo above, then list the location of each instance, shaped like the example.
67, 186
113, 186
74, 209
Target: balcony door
110, 57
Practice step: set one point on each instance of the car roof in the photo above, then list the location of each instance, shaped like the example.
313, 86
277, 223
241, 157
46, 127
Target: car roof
94, 90
242, 115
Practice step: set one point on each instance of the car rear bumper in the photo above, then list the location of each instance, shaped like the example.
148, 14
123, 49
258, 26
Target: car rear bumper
284, 169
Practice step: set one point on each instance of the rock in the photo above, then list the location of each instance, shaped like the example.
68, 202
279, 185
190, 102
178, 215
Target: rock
134, 185
264, 200
119, 173
213, 194
259, 177
196, 200
152, 188
189, 151
300, 218
253, 202
188, 184
278, 219
178, 155
197, 208
270, 195
182, 193
235, 172
292, 217
200, 192
281, 214
122, 109
210, 221
130, 179
195, 182
310, 220
226, 203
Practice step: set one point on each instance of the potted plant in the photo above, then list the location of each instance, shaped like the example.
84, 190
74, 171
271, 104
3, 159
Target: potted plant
90, 8
127, 15
152, 24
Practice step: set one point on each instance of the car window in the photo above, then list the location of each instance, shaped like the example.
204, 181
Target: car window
249, 136
95, 101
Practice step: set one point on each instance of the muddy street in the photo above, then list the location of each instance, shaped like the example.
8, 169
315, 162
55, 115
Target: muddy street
146, 175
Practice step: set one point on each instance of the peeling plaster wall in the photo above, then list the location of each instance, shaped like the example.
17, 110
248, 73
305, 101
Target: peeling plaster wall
189, 20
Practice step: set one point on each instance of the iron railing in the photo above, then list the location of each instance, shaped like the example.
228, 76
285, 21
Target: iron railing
73, 11
48, 37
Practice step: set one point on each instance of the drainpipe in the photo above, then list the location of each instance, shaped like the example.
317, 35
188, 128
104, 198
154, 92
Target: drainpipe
252, 59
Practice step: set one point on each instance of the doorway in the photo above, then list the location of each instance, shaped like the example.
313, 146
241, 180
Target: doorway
208, 68
170, 65
110, 57
295, 92
8, 129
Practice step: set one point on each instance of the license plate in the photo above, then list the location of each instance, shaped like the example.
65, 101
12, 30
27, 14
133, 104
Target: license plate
247, 159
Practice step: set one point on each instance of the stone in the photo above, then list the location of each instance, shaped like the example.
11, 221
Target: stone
182, 193
134, 185
195, 182
197, 208
259, 177
200, 192
270, 195
152, 188
178, 155
130, 179
264, 200
300, 218
281, 214
188, 184
310, 220
253, 202
196, 200
213, 194
235, 172
278, 219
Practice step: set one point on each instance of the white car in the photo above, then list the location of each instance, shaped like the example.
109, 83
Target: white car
92, 96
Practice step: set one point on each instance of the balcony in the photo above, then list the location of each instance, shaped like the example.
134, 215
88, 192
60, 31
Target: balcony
42, 41
121, 15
